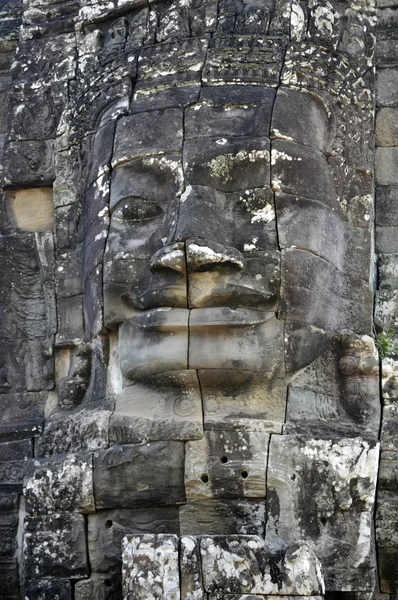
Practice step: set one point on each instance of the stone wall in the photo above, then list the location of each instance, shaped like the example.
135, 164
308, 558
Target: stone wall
287, 453
386, 306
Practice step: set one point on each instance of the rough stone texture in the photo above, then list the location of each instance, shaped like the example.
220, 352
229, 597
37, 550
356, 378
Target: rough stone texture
226, 464
48, 590
55, 546
386, 127
130, 476
101, 587
59, 485
387, 86
217, 517
239, 564
222, 565
199, 280
150, 567
323, 491
106, 530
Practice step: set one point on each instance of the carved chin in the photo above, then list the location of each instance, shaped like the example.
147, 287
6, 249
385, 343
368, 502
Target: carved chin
213, 338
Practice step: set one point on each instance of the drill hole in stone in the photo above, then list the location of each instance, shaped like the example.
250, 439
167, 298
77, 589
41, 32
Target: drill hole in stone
244, 474
108, 524
223, 459
108, 583
205, 478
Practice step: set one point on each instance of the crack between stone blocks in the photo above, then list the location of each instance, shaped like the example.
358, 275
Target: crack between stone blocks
266, 488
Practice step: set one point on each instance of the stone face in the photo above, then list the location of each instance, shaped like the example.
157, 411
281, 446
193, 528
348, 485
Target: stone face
325, 495
188, 268
59, 485
129, 476
55, 546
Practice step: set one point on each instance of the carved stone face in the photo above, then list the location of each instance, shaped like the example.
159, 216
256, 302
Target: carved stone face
226, 251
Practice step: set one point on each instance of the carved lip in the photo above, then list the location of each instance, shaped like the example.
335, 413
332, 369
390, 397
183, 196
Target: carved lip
182, 318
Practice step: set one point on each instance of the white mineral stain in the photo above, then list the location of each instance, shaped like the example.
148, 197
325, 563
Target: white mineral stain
263, 215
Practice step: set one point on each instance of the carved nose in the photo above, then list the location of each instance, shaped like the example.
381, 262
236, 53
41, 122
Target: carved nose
196, 254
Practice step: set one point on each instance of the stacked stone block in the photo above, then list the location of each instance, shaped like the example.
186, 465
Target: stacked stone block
386, 308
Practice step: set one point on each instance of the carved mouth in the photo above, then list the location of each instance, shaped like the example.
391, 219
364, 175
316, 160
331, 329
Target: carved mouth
166, 318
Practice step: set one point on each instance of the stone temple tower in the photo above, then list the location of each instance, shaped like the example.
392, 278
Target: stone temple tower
199, 299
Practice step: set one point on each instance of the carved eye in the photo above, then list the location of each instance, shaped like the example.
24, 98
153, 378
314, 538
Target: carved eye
133, 210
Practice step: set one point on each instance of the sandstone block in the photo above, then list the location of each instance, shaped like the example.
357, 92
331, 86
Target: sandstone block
226, 464
99, 587
55, 546
83, 430
106, 530
387, 127
323, 491
223, 517
129, 476
151, 567
47, 589
59, 485
244, 564
191, 569
387, 87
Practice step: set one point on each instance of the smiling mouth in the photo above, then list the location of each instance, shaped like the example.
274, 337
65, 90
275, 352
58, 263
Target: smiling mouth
165, 318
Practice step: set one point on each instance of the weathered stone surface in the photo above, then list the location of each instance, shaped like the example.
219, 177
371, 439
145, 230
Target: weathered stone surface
167, 407
388, 471
386, 538
389, 427
190, 569
129, 476
59, 485
149, 129
248, 136
386, 127
9, 502
242, 400
83, 430
22, 415
386, 240
386, 160
48, 590
100, 587
9, 580
388, 272
323, 491
107, 529
55, 546
223, 517
387, 86
387, 206
319, 281
8, 535
240, 564
226, 464
150, 567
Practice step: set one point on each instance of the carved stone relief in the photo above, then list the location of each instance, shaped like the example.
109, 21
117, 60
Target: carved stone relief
192, 321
